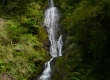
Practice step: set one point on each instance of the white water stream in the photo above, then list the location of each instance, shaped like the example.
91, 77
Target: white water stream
51, 24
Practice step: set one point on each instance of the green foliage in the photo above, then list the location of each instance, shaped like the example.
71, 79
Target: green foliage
21, 38
86, 24
19, 51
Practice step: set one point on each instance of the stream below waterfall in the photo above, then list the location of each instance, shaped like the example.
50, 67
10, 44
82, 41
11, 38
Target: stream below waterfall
51, 24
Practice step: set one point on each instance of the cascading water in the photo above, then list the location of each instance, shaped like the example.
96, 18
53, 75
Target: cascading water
51, 24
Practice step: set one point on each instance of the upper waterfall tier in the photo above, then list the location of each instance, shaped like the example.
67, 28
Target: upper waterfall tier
51, 3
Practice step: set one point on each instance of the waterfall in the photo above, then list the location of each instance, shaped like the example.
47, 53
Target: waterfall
51, 2
51, 24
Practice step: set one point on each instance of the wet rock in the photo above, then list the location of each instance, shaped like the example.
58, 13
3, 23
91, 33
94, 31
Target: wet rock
47, 44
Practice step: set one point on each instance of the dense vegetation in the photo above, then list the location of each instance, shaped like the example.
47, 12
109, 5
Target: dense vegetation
21, 39
86, 50
86, 34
